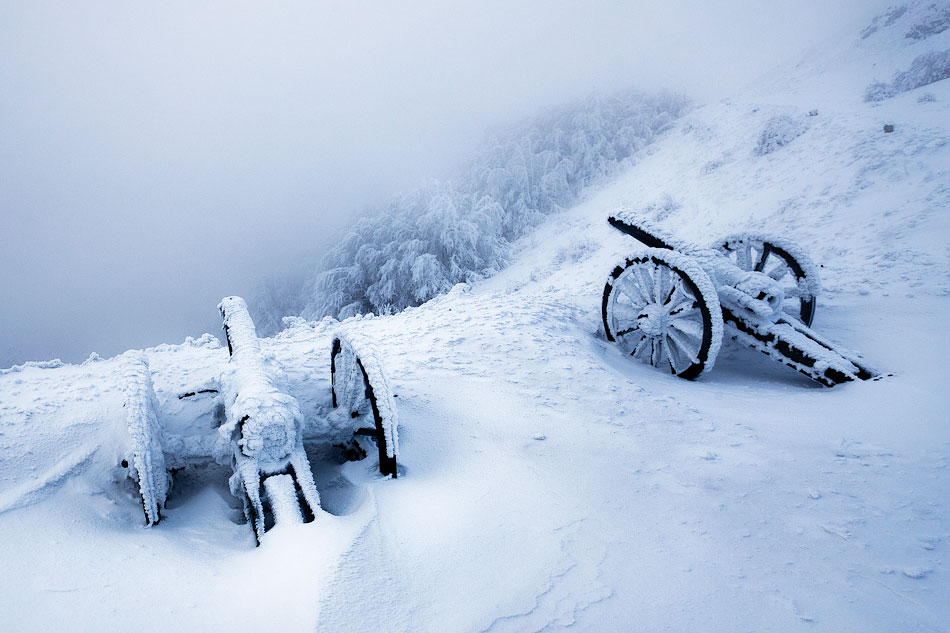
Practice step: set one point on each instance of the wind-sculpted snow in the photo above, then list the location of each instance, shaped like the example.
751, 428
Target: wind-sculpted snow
43, 364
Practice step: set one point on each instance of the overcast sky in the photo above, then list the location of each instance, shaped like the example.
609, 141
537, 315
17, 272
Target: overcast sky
156, 157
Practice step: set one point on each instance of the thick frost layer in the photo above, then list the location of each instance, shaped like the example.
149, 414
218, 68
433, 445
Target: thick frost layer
145, 456
358, 349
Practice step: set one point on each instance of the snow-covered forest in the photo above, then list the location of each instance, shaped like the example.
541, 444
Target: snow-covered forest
461, 229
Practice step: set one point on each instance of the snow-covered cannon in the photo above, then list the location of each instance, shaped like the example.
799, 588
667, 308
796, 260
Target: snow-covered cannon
669, 304
245, 415
271, 470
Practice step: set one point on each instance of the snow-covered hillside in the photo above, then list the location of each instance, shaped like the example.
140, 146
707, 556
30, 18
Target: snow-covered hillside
547, 481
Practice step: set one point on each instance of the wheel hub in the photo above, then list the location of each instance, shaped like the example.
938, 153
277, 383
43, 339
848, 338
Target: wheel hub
652, 320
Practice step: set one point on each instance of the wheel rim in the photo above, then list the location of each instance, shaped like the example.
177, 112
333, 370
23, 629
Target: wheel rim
765, 257
656, 314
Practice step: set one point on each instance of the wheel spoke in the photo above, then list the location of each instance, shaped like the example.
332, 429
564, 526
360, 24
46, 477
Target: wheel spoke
657, 352
794, 292
744, 256
686, 304
683, 345
631, 340
662, 286
760, 264
630, 286
646, 282
640, 347
622, 295
623, 315
674, 354
779, 270
689, 312
676, 297
690, 327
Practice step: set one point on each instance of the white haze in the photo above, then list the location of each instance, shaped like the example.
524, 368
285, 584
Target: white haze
154, 158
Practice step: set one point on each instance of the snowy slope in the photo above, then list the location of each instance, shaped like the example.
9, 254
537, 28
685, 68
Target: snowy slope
546, 481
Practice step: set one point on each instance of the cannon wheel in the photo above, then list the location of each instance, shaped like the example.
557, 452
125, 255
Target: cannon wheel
784, 262
662, 309
387, 464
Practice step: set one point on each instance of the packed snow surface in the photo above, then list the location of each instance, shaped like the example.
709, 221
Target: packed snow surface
547, 482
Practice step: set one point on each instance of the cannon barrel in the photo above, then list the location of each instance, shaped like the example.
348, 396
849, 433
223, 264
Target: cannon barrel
264, 425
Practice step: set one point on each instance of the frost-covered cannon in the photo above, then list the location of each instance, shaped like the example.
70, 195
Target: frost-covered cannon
271, 470
670, 304
257, 426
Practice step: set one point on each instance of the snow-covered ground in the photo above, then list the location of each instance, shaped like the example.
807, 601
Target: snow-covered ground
546, 481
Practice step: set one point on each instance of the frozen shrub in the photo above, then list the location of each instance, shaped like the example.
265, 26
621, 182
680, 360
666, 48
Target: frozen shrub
779, 131
927, 97
878, 91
